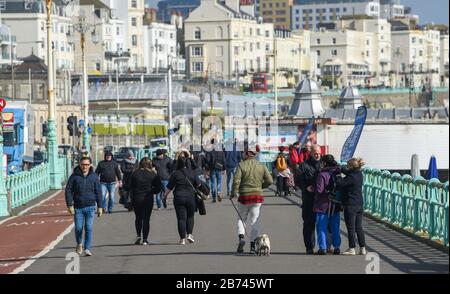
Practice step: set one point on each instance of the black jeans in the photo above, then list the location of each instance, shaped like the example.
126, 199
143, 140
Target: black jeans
143, 208
185, 210
309, 222
353, 215
282, 185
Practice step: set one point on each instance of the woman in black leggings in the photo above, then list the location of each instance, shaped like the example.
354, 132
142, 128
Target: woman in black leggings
352, 199
184, 197
145, 183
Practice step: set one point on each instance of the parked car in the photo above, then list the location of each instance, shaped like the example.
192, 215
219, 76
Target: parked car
123, 153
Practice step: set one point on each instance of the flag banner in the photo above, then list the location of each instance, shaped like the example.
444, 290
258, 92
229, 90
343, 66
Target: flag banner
305, 133
352, 141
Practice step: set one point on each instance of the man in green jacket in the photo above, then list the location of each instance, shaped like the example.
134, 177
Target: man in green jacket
249, 181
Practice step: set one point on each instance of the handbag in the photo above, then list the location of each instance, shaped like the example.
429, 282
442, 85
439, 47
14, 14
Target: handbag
198, 193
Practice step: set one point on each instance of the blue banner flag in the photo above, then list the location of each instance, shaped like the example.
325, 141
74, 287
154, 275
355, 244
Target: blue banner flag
308, 128
352, 141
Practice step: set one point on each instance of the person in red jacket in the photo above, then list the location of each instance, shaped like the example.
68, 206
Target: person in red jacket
304, 152
294, 159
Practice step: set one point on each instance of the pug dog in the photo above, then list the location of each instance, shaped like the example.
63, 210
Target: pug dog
262, 244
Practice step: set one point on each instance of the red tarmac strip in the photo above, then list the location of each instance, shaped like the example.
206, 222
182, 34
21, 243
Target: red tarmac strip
25, 236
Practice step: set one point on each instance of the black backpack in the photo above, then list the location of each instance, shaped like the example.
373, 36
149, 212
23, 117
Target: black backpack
332, 191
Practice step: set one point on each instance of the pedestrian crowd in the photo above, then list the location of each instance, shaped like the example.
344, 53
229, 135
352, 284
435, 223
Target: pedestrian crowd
327, 190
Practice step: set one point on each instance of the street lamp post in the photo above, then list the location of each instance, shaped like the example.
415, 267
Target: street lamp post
55, 172
83, 28
169, 80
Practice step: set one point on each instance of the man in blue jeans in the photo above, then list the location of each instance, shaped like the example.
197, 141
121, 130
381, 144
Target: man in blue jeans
109, 172
232, 159
83, 197
163, 165
216, 166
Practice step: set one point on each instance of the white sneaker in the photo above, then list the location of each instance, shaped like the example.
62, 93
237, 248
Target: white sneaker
183, 242
362, 251
87, 253
190, 238
79, 249
350, 251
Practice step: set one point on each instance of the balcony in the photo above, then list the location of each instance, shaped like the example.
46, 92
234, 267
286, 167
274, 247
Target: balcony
111, 54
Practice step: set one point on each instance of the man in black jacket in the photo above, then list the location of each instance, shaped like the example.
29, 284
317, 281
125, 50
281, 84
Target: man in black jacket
83, 194
306, 179
163, 165
109, 172
215, 164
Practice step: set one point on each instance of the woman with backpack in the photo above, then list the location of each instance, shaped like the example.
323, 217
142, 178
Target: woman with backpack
352, 200
326, 209
281, 173
145, 183
182, 182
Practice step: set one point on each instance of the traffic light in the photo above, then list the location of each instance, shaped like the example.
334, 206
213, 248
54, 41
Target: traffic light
72, 125
44, 129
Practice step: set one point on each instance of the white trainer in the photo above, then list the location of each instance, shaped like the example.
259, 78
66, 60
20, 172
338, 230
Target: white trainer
190, 238
87, 252
350, 251
183, 242
362, 251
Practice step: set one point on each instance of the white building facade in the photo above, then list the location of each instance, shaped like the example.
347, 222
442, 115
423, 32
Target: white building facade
131, 13
28, 23
310, 14
7, 46
416, 56
443, 71
161, 47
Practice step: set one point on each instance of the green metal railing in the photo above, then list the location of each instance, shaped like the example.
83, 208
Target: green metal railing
415, 205
29, 185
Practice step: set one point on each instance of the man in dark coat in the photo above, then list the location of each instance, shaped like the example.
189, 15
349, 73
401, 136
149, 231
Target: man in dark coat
109, 172
306, 179
83, 196
163, 165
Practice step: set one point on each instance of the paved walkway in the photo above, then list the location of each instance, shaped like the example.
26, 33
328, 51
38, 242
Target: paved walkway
214, 250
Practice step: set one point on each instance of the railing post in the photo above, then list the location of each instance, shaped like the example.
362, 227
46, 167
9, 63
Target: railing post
3, 192
446, 216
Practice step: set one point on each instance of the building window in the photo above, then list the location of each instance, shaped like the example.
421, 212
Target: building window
334, 52
382, 50
134, 40
344, 9
133, 21
236, 50
134, 3
219, 33
318, 52
420, 53
197, 66
267, 47
171, 35
219, 51
317, 41
334, 40
367, 53
197, 34
118, 31
267, 34
197, 51
258, 46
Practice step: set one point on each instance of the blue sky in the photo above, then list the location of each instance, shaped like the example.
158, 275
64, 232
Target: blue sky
428, 10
